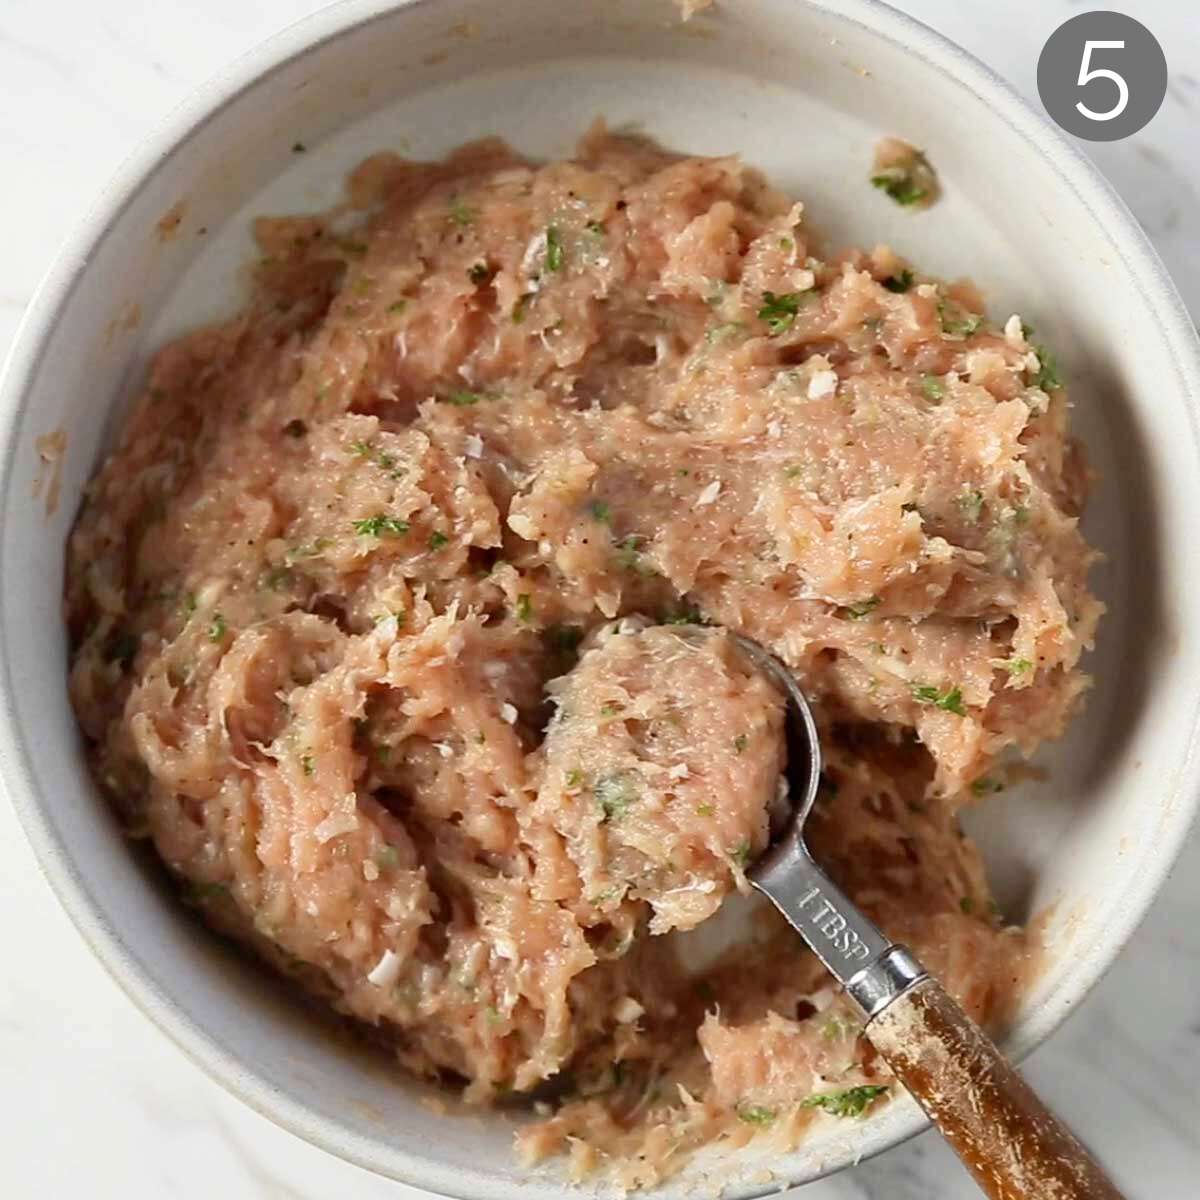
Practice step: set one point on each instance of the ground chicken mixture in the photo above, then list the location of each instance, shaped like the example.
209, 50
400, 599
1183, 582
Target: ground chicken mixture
398, 621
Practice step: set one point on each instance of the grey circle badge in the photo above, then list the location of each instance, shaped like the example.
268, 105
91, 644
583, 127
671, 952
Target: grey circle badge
1102, 76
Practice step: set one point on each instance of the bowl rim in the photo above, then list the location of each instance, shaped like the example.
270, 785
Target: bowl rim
23, 361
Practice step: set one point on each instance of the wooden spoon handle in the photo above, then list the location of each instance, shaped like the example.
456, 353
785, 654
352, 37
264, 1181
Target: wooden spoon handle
1013, 1145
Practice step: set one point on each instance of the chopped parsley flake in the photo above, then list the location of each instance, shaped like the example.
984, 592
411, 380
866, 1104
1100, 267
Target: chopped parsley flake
574, 778
966, 905
398, 307
437, 540
595, 228
909, 181
740, 853
956, 320
524, 607
520, 307
971, 505
189, 603
950, 701
1017, 666
614, 794
853, 1102
932, 387
307, 765
463, 398
856, 612
896, 183
985, 785
1047, 377
216, 628
627, 553
740, 743
755, 1114
389, 856
555, 258
688, 614
600, 511
779, 310
706, 810
460, 214
379, 525
900, 282
610, 708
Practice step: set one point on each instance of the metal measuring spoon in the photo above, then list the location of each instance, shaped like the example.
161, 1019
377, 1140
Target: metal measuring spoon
1010, 1142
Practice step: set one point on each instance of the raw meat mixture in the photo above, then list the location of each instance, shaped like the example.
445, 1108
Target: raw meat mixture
397, 619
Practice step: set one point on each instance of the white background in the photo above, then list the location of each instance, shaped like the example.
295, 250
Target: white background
94, 1102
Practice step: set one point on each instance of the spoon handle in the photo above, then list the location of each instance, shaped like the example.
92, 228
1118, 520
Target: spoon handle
1012, 1144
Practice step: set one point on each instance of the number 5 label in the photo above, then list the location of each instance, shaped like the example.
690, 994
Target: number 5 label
1102, 76
1086, 75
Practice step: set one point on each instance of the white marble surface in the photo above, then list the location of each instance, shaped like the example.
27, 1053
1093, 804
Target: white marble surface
93, 1101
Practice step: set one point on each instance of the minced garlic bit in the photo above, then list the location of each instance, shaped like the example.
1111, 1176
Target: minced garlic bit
386, 971
508, 713
822, 385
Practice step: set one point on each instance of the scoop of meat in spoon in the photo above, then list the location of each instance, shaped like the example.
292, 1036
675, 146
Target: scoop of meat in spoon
1012, 1144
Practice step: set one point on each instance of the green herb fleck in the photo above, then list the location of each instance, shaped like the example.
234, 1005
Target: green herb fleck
307, 765
908, 182
740, 853
779, 311
520, 308
718, 333
398, 307
437, 539
687, 614
1047, 377
460, 214
628, 557
189, 603
555, 258
900, 282
985, 786
574, 778
379, 525
932, 387
956, 320
614, 794
857, 612
740, 743
971, 505
595, 228
1017, 666
853, 1102
950, 701
755, 1114
216, 628
610, 708
600, 510
524, 607
463, 398
966, 905
706, 810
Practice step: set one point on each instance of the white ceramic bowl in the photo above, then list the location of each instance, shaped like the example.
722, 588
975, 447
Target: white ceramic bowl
803, 88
